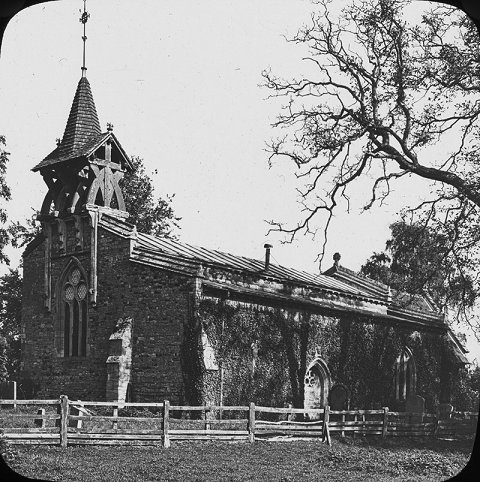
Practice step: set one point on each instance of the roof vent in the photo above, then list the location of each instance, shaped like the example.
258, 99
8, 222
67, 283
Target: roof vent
267, 255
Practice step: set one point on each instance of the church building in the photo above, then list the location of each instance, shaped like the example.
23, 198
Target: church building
110, 313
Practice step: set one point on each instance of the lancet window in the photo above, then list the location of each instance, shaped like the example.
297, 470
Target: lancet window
73, 312
405, 375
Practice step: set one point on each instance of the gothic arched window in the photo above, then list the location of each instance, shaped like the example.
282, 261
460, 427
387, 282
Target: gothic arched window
405, 375
73, 312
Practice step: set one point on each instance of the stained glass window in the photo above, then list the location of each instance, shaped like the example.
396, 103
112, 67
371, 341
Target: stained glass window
74, 305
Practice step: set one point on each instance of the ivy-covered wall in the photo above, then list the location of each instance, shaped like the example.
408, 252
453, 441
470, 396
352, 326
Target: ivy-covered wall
263, 354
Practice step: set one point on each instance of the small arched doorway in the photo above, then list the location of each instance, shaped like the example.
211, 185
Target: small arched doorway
317, 384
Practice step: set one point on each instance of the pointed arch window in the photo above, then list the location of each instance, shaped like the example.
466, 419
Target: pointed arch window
405, 375
73, 312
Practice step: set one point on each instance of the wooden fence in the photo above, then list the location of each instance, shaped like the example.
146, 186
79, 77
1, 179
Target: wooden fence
67, 422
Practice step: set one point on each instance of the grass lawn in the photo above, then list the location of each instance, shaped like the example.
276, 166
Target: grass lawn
359, 459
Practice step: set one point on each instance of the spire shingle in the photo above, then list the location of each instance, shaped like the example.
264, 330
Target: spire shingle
82, 124
81, 129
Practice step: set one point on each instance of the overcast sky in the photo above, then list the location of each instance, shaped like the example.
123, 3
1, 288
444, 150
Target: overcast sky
180, 82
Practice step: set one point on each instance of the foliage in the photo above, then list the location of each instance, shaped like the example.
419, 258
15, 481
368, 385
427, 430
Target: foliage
149, 215
250, 349
22, 234
466, 395
5, 195
17, 234
416, 260
10, 319
359, 459
383, 101
3, 359
475, 380
265, 354
8, 453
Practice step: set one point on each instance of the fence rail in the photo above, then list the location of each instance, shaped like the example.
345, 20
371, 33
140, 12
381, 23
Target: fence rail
68, 422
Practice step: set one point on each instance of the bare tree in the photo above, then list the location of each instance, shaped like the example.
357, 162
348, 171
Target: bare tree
380, 98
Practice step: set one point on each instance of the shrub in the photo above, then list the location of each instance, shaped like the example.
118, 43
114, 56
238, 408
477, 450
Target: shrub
7, 452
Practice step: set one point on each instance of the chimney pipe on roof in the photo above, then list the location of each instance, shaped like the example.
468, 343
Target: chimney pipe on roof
267, 255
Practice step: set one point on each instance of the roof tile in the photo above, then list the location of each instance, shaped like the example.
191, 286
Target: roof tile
82, 127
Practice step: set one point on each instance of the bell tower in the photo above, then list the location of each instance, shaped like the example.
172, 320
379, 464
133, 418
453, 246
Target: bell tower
86, 166
82, 174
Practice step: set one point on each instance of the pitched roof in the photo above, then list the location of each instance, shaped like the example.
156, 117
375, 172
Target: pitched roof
459, 351
397, 299
56, 157
166, 253
183, 258
82, 129
418, 302
250, 280
374, 288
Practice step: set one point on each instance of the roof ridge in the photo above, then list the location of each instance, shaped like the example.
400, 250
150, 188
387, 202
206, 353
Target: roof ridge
363, 277
251, 264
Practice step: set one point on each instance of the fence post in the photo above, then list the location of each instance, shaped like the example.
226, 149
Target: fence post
326, 430
63, 420
251, 423
435, 426
385, 422
80, 412
166, 420
290, 415
205, 413
14, 395
115, 414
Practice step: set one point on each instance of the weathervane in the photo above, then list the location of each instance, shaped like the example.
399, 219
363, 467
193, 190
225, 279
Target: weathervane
84, 18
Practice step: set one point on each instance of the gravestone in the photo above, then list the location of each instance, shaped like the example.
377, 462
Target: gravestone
415, 404
444, 411
339, 397
6, 390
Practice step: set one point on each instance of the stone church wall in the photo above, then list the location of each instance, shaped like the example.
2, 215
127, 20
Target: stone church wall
36, 325
51, 374
157, 301
264, 354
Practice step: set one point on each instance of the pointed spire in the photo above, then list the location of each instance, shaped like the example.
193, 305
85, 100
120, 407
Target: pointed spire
81, 130
82, 123
82, 136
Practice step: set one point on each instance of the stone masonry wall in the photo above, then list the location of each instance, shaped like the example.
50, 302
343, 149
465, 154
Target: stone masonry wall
157, 301
51, 374
39, 335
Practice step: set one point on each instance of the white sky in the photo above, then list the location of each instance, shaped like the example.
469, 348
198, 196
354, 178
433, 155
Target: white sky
180, 82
